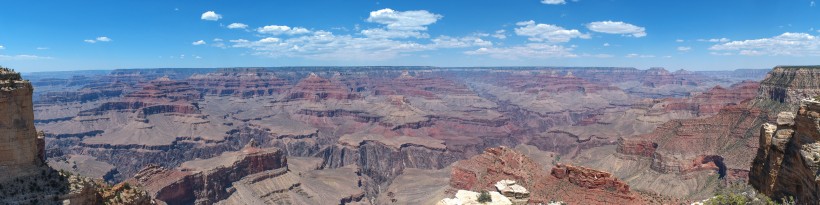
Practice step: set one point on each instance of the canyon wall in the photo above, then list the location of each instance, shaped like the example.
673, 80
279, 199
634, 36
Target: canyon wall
788, 159
20, 146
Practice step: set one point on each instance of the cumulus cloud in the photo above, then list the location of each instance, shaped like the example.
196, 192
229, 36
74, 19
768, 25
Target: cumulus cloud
372, 44
2, 47
684, 48
530, 51
278, 30
500, 34
606, 44
211, 16
199, 42
679, 40
617, 27
452, 42
237, 26
715, 40
786, 44
403, 20
98, 39
400, 24
552, 33
23, 57
553, 2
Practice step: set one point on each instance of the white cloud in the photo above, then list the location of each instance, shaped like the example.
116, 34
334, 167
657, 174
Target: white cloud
219, 43
23, 57
404, 20
811, 4
400, 24
635, 55
500, 34
553, 2
2, 47
211, 16
237, 26
679, 40
786, 44
451, 42
551, 33
684, 48
371, 44
382, 33
278, 30
606, 44
721, 53
617, 27
39, 48
199, 42
325, 45
530, 50
715, 40
98, 39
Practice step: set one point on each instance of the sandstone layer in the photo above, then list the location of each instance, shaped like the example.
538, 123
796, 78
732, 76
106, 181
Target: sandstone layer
787, 163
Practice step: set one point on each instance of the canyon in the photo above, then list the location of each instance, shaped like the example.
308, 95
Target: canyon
403, 135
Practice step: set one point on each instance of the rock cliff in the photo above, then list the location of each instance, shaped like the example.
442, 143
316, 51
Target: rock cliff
206, 181
25, 178
788, 159
790, 84
21, 148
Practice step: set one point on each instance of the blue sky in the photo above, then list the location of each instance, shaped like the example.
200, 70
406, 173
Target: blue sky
692, 35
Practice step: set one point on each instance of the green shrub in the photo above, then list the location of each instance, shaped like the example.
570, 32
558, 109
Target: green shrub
484, 197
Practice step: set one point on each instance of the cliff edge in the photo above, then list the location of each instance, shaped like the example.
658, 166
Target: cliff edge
788, 159
21, 149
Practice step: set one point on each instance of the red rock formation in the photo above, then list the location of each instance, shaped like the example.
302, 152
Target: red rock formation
636, 146
711, 101
589, 178
316, 88
206, 181
790, 84
239, 82
159, 96
574, 185
788, 159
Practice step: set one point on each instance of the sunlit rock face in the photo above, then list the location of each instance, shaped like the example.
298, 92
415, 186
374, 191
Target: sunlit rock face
790, 84
788, 160
20, 146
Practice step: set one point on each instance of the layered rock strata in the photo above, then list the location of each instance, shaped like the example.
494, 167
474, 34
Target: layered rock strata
788, 159
21, 148
206, 181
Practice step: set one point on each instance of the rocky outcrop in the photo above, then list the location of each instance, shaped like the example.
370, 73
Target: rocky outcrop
788, 159
206, 181
21, 149
574, 185
790, 84
589, 178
